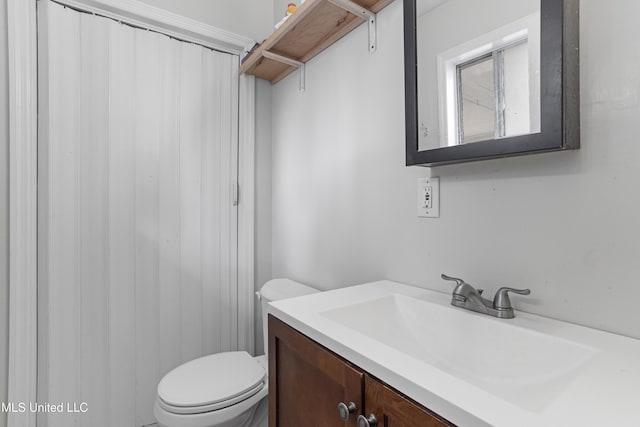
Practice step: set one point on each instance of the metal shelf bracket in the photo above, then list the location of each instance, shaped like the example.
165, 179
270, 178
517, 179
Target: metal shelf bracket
289, 61
350, 7
366, 14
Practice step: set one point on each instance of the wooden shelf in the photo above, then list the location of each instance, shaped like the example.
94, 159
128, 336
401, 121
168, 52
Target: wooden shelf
316, 25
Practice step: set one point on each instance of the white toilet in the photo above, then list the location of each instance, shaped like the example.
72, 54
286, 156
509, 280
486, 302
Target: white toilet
225, 389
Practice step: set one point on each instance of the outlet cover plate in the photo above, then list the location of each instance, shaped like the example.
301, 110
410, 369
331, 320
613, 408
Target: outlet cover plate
428, 199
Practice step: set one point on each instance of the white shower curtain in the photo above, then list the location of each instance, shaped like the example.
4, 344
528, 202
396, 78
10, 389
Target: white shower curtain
137, 230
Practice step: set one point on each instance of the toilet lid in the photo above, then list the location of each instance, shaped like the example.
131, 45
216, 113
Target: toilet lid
212, 381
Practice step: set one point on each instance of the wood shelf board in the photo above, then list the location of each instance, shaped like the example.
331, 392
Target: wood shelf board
316, 25
347, 27
295, 19
302, 38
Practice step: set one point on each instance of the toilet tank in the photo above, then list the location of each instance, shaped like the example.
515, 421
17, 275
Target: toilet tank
277, 289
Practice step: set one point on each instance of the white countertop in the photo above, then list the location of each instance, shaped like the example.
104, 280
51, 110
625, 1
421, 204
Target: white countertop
604, 391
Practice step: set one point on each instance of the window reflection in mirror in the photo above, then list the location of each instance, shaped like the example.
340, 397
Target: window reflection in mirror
477, 98
478, 70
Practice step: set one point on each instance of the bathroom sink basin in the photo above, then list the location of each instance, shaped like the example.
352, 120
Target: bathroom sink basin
525, 367
472, 369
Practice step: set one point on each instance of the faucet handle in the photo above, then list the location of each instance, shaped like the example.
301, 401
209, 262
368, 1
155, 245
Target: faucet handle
452, 279
459, 282
501, 300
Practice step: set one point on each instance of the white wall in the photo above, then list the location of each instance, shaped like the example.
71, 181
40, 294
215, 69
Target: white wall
4, 208
280, 9
251, 18
565, 224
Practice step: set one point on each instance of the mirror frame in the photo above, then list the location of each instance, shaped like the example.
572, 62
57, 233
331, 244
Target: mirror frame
559, 93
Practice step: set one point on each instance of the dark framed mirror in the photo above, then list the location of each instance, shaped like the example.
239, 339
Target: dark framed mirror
490, 78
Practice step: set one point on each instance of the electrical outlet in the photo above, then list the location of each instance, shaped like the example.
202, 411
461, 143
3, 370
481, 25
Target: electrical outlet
429, 197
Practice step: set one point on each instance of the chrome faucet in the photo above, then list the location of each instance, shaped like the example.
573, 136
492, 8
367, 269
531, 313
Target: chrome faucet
466, 296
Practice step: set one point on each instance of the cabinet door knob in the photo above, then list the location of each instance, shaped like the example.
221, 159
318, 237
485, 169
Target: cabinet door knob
370, 421
345, 410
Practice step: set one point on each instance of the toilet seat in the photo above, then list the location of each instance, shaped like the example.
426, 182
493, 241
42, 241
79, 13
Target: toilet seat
211, 383
187, 410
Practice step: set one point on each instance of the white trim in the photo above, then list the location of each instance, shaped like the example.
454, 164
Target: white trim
246, 211
23, 175
22, 44
146, 16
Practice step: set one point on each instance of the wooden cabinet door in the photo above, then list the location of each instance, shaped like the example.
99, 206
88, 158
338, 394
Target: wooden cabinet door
392, 409
307, 381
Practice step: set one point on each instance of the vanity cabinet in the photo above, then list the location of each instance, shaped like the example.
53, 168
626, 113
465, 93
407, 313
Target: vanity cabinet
395, 409
307, 382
